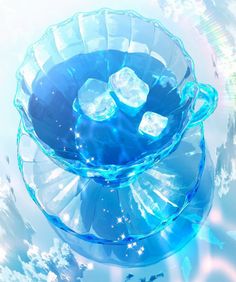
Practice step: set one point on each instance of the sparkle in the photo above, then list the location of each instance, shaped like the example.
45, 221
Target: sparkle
77, 135
66, 217
141, 250
90, 266
130, 246
119, 220
122, 236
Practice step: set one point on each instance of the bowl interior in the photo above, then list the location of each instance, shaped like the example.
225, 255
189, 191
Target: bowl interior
96, 46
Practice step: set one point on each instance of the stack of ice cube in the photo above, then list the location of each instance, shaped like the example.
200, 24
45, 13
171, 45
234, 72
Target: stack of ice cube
125, 91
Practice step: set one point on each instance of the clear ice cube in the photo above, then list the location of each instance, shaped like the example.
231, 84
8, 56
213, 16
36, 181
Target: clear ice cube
95, 101
129, 88
152, 124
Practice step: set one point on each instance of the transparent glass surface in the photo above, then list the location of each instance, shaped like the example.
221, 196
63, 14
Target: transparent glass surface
147, 214
110, 107
160, 245
97, 45
102, 213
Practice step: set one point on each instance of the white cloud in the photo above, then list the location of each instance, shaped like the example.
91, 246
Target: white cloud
20, 260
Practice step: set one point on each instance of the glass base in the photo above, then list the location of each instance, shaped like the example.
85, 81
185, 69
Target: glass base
132, 225
160, 245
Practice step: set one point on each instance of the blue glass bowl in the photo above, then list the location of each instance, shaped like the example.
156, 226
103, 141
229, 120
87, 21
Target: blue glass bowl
111, 188
96, 45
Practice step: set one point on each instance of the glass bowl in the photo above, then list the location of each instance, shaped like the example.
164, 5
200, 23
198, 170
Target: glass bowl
97, 45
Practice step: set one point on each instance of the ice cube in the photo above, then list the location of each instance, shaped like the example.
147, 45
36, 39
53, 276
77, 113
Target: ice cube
95, 101
152, 124
129, 88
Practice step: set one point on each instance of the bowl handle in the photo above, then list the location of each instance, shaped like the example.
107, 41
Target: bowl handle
209, 98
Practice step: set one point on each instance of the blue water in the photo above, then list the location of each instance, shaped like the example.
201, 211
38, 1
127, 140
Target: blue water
114, 141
